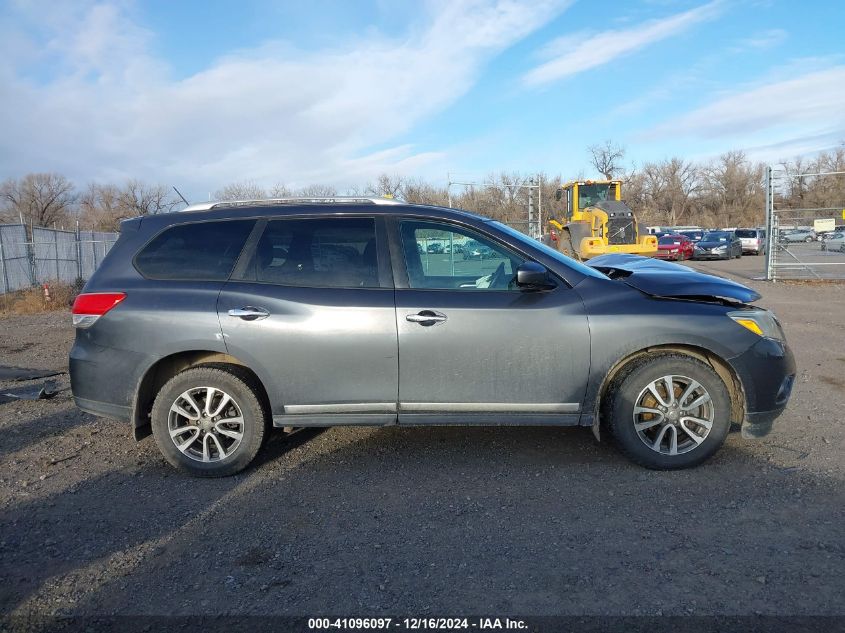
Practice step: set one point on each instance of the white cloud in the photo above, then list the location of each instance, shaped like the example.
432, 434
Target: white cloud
761, 41
90, 100
573, 54
803, 105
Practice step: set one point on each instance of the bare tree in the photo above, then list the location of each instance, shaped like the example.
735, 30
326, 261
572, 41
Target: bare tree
245, 190
139, 198
421, 192
100, 207
387, 186
317, 191
668, 187
607, 158
732, 190
41, 199
279, 190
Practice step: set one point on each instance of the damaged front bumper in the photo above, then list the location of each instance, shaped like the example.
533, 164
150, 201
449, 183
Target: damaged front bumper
767, 372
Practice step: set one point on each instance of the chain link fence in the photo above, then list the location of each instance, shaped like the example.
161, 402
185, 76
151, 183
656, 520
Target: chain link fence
49, 255
805, 224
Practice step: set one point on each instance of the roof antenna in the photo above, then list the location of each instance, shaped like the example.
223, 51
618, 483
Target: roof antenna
179, 193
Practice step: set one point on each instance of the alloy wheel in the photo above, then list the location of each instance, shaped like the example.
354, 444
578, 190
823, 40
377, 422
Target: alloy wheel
673, 415
205, 424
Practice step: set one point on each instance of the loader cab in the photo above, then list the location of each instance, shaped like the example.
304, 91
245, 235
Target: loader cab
579, 195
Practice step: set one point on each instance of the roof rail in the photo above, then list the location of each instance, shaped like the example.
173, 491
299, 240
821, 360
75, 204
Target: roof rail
205, 206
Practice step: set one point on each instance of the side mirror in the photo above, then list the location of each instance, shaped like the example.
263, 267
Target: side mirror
531, 275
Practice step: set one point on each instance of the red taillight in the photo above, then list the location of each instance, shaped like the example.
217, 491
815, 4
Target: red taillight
90, 306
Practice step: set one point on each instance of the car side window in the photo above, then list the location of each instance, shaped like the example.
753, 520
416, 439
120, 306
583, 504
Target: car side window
194, 251
442, 256
318, 252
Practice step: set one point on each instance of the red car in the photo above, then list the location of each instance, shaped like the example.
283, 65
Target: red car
674, 246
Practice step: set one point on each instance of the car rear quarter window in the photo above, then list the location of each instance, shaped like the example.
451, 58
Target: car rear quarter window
194, 251
317, 252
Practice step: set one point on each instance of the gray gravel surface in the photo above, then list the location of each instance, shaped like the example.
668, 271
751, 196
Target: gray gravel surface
432, 521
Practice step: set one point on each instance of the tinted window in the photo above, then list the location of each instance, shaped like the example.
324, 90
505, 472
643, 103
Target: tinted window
323, 252
442, 256
717, 236
200, 250
669, 240
746, 233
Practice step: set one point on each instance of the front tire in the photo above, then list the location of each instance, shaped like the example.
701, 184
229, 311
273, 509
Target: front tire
208, 422
665, 429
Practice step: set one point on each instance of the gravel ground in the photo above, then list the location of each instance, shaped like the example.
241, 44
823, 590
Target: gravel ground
428, 521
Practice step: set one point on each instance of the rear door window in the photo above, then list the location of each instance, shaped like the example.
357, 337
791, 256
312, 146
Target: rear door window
317, 252
194, 251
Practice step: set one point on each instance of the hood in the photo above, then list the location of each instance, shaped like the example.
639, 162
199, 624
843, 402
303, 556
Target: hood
664, 279
711, 244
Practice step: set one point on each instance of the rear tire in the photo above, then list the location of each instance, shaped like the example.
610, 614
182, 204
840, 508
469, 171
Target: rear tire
208, 422
647, 438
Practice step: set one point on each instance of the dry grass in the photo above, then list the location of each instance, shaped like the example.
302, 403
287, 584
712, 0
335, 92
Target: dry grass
33, 301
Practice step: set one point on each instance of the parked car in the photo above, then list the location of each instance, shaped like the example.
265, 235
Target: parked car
694, 236
209, 325
833, 242
435, 247
454, 248
753, 240
479, 251
677, 247
798, 235
718, 245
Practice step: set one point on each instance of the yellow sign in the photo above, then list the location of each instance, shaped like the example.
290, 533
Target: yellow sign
843, 214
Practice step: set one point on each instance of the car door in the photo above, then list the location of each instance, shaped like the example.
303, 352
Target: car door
475, 348
310, 308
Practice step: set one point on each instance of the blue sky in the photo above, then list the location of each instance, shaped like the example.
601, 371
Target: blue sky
200, 94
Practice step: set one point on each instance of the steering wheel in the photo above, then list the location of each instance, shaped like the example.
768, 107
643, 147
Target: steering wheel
498, 278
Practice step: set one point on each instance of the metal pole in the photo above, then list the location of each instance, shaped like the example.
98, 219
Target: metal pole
771, 242
3, 264
449, 188
78, 252
530, 210
56, 251
30, 253
539, 205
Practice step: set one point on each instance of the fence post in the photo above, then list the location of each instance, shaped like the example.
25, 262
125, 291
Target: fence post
771, 239
78, 254
3, 264
30, 255
56, 252
93, 250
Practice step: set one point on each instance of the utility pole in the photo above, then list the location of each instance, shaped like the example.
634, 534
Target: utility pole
530, 208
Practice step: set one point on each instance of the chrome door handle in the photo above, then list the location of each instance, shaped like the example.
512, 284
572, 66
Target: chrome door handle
249, 313
426, 317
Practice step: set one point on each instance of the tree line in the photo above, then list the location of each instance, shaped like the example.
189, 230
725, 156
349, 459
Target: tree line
728, 191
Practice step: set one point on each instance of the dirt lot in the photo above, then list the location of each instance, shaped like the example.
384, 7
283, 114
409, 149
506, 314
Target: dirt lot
429, 521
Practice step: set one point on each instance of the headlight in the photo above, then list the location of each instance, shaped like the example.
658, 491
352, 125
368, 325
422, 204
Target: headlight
761, 322
720, 248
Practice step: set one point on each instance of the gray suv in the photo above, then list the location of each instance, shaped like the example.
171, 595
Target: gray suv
208, 326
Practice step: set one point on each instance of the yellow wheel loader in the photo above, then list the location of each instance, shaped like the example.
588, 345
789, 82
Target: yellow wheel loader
596, 222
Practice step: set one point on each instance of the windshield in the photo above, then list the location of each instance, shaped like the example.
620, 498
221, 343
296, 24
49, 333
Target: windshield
746, 233
669, 240
589, 195
693, 235
717, 236
524, 239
